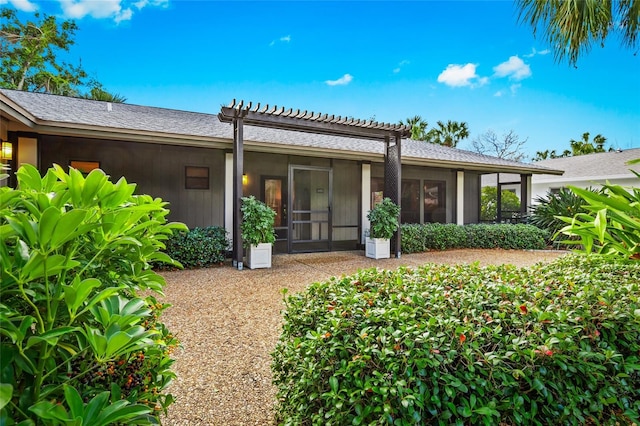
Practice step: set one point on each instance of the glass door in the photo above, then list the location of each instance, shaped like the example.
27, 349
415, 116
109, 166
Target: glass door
310, 214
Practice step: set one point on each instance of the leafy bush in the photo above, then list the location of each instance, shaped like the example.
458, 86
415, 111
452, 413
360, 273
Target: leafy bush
79, 343
258, 220
612, 226
436, 236
554, 344
489, 203
544, 214
384, 219
199, 247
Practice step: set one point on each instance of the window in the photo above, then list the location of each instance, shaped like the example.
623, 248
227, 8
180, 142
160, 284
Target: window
196, 177
84, 166
410, 201
434, 201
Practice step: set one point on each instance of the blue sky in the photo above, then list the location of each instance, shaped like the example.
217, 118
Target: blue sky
449, 60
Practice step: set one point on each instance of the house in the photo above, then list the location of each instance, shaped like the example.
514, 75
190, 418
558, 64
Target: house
582, 171
590, 170
321, 184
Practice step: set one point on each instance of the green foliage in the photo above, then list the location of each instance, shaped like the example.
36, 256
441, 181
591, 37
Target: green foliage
544, 214
612, 225
258, 220
436, 236
571, 27
30, 58
550, 344
80, 336
384, 219
489, 204
449, 133
199, 247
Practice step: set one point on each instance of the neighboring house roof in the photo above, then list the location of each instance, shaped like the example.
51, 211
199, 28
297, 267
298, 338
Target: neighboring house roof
600, 166
82, 117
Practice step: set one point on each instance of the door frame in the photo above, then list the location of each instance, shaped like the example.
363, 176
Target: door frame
291, 213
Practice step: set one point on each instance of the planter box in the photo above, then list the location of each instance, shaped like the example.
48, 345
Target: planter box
378, 248
259, 256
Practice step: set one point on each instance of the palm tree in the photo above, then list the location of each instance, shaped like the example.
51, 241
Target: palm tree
97, 93
418, 127
585, 146
571, 27
449, 133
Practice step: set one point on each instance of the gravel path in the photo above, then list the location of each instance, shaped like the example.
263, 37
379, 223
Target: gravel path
228, 322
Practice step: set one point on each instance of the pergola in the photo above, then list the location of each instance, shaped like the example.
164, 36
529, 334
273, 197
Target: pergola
280, 118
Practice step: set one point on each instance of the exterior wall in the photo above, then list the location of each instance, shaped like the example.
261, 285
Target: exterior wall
471, 197
158, 170
540, 189
346, 201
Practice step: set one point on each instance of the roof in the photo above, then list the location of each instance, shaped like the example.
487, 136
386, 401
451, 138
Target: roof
593, 167
53, 114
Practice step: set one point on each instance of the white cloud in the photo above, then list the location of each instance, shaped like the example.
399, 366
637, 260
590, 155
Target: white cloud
461, 75
118, 10
499, 93
535, 52
514, 88
23, 5
285, 39
514, 68
342, 81
400, 66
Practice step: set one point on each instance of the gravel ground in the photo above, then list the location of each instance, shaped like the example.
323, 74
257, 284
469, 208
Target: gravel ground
228, 322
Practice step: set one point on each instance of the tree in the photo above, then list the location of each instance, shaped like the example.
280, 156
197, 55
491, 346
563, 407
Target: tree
570, 27
489, 203
508, 147
29, 58
585, 146
578, 147
449, 133
418, 127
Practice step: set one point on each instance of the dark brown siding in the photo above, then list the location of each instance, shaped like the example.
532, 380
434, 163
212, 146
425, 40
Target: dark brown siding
158, 170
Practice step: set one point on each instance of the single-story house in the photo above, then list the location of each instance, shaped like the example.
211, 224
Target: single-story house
321, 184
582, 171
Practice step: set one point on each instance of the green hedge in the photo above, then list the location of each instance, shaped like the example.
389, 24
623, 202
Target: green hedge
199, 247
555, 343
437, 236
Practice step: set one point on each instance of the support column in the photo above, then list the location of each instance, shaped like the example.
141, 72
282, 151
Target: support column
228, 194
460, 197
393, 180
365, 200
525, 196
238, 170
498, 200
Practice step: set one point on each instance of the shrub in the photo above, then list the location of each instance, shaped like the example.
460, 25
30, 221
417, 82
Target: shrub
199, 247
436, 236
612, 226
554, 344
544, 214
384, 219
79, 343
257, 225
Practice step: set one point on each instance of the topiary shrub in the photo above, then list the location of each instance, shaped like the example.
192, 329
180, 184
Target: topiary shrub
199, 247
437, 236
554, 344
81, 341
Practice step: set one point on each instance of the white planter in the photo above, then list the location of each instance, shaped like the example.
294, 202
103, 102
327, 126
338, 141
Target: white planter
377, 248
259, 256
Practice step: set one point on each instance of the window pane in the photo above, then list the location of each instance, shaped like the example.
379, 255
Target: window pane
434, 201
410, 201
196, 177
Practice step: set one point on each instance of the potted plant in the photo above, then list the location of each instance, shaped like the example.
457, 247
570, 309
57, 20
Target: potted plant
257, 232
384, 223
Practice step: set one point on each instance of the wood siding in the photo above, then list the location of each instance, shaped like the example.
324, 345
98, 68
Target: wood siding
158, 170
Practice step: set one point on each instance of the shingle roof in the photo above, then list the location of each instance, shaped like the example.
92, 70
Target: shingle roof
602, 165
66, 112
